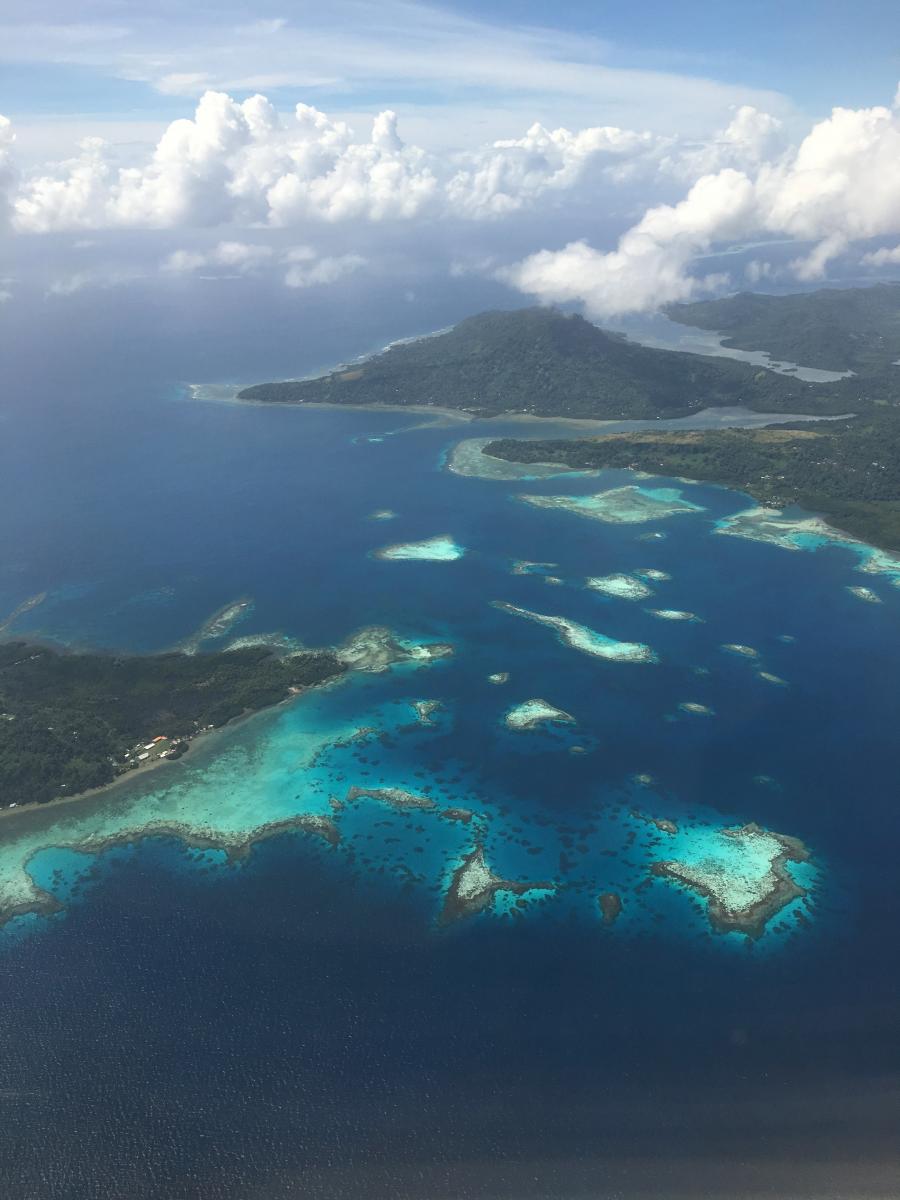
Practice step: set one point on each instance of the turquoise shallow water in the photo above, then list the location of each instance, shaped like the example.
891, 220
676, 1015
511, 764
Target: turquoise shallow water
313, 978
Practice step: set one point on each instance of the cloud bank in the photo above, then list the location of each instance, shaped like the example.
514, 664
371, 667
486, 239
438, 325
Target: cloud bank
839, 186
243, 164
239, 166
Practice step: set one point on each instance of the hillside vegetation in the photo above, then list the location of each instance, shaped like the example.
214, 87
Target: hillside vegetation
835, 329
67, 721
539, 361
849, 471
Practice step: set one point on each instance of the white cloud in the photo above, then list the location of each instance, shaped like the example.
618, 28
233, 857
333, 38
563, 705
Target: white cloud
236, 163
750, 138
513, 172
882, 258
303, 273
649, 268
7, 168
244, 164
303, 266
842, 184
758, 269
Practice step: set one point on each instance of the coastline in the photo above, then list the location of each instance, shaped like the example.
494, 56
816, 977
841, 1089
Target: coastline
759, 502
195, 392
203, 738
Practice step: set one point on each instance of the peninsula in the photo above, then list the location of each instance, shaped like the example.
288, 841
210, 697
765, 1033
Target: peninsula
848, 471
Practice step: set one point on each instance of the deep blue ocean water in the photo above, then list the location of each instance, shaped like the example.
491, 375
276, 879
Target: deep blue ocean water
296, 1026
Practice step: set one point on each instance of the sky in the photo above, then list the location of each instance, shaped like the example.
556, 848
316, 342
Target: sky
601, 155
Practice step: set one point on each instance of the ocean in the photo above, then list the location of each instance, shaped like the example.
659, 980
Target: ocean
300, 1023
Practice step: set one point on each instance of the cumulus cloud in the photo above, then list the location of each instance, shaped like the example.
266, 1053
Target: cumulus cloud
885, 257
239, 166
649, 268
751, 138
235, 163
243, 164
512, 173
841, 185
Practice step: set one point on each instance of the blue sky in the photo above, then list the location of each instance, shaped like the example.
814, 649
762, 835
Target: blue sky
74, 58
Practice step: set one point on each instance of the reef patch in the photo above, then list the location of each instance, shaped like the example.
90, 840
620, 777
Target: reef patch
630, 505
580, 637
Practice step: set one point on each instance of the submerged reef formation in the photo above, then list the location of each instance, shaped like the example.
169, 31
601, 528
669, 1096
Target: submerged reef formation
610, 906
218, 625
847, 470
377, 648
20, 895
467, 458
580, 637
536, 712
392, 796
742, 873
697, 710
425, 710
805, 532
630, 505
740, 650
624, 587
434, 549
673, 614
663, 824
474, 885
523, 566
498, 677
864, 593
21, 609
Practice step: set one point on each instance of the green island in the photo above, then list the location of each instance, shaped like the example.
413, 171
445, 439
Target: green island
73, 722
834, 329
541, 362
847, 471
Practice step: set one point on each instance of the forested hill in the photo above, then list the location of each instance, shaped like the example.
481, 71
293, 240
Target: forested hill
69, 722
835, 329
540, 361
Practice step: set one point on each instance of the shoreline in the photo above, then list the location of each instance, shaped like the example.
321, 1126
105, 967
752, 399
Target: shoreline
758, 503
202, 738
731, 416
194, 392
